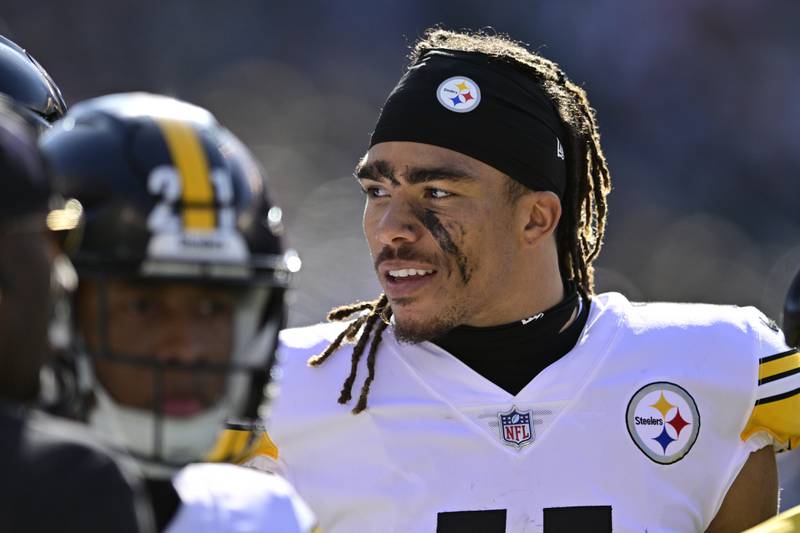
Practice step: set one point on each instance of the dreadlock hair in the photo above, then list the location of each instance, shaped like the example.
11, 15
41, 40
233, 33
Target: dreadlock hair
580, 231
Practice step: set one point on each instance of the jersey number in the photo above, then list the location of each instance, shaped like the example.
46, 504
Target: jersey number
556, 519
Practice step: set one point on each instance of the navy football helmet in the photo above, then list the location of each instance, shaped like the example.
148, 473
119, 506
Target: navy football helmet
24, 80
169, 196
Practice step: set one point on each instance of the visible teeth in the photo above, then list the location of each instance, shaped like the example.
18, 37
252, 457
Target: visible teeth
405, 272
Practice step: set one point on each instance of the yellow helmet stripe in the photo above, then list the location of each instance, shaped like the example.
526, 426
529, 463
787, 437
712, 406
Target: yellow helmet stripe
190, 159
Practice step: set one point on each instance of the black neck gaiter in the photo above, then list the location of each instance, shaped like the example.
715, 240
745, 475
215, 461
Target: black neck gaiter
511, 355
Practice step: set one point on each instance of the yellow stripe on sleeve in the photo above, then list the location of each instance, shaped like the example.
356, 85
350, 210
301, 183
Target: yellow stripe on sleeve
777, 407
190, 159
778, 417
772, 368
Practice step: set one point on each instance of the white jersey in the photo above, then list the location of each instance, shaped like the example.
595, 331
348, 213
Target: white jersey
643, 426
223, 498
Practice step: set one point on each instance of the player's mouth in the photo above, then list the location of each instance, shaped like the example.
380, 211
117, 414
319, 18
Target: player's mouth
181, 407
404, 281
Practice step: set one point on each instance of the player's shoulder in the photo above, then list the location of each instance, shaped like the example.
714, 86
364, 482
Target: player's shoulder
211, 492
686, 315
297, 345
311, 337
53, 442
40, 450
722, 325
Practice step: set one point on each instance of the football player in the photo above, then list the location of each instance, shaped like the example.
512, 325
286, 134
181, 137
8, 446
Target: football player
54, 477
789, 520
182, 276
24, 80
494, 390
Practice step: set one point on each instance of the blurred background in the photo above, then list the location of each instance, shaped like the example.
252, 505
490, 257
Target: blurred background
698, 104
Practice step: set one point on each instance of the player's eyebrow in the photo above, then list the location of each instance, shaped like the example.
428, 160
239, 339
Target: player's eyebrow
376, 171
381, 170
424, 175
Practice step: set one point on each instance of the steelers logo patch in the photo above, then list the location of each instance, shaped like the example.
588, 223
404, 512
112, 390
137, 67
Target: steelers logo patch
459, 94
663, 421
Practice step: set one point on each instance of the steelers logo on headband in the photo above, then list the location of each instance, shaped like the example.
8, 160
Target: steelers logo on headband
459, 94
516, 126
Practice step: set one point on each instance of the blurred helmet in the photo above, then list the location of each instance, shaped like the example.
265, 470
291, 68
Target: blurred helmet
34, 283
791, 313
168, 195
24, 80
24, 184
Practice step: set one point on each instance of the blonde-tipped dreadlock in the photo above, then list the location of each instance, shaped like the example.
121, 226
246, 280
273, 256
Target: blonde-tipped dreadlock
582, 226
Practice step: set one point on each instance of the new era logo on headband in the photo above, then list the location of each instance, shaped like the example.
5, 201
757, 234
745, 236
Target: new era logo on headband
459, 94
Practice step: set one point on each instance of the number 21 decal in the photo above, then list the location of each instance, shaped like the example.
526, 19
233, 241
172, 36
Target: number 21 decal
165, 182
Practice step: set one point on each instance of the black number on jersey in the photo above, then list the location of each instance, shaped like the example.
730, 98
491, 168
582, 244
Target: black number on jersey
492, 521
595, 518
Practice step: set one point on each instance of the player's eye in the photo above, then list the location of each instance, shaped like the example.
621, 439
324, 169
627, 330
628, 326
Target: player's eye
374, 192
212, 308
437, 194
142, 306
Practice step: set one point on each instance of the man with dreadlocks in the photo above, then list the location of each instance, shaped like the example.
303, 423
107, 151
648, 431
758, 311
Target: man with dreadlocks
500, 393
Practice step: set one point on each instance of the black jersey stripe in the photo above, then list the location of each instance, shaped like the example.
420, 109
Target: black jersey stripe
776, 377
778, 397
781, 355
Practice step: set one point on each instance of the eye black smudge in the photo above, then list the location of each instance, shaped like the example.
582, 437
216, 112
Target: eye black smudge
434, 225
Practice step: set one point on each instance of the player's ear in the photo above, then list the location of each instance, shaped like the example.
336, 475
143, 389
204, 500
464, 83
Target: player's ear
539, 213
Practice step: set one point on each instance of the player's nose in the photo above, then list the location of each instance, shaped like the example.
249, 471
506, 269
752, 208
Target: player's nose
398, 225
179, 342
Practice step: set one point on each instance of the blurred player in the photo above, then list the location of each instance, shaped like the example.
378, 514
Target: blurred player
53, 477
497, 392
788, 521
24, 80
182, 277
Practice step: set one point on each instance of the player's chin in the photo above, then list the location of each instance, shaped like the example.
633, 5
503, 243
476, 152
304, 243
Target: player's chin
415, 327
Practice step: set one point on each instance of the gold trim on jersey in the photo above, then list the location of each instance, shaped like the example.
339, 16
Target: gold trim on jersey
230, 445
238, 444
778, 366
189, 157
777, 407
262, 445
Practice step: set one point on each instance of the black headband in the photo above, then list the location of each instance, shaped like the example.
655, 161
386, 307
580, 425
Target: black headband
482, 107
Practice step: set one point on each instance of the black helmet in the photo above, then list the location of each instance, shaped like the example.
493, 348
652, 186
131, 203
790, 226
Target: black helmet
24, 80
170, 195
24, 183
27, 208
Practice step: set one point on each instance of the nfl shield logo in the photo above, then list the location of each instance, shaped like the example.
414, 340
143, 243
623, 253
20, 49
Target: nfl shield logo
515, 427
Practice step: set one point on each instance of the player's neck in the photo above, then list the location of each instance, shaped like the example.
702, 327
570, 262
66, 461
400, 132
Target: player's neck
527, 295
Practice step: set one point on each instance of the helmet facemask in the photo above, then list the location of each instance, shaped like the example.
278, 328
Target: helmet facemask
182, 401
171, 200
